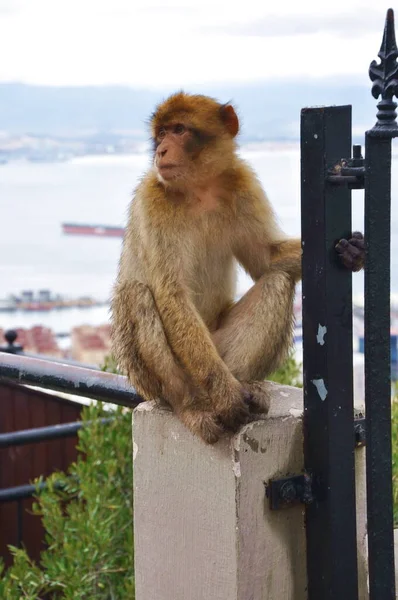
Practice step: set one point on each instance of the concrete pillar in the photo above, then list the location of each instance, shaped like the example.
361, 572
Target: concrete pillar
203, 526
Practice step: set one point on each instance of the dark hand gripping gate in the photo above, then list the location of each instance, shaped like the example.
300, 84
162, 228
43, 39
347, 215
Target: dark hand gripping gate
327, 486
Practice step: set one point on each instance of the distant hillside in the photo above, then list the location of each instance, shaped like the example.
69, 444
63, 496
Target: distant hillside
269, 110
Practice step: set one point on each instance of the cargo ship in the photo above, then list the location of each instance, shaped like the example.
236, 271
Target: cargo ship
96, 230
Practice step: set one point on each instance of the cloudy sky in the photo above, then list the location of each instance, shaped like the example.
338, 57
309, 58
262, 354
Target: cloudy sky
79, 42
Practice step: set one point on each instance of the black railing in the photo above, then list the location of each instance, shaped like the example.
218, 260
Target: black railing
63, 375
42, 434
19, 493
60, 377
28, 436
328, 174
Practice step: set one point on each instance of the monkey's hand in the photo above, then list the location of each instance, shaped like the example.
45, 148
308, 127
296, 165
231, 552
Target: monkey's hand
259, 396
210, 421
352, 252
256, 400
231, 404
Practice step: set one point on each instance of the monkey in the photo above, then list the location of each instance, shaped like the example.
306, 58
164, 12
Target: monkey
197, 213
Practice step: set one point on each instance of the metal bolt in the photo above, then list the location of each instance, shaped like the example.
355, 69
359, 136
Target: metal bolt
288, 492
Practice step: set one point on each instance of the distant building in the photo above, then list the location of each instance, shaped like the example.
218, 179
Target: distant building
44, 295
37, 340
90, 345
27, 296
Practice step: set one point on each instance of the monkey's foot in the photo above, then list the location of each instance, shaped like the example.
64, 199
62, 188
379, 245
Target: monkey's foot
206, 425
352, 251
259, 399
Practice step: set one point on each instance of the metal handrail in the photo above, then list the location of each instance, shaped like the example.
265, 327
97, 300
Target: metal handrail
41, 434
60, 377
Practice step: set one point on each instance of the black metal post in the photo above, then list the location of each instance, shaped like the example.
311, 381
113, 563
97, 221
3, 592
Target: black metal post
327, 349
377, 320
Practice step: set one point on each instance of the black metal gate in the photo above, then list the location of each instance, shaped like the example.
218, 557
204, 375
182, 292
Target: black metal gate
328, 173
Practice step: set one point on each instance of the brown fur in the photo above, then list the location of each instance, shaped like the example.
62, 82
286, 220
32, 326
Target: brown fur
177, 331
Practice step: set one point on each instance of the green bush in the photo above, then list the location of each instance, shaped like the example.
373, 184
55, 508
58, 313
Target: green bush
395, 455
88, 517
290, 373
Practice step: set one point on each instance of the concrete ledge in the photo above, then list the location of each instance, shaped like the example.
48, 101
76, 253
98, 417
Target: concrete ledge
203, 526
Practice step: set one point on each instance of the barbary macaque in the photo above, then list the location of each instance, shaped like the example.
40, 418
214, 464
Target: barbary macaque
178, 332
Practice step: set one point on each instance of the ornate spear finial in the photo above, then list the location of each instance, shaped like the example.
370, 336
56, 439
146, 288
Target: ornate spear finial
385, 80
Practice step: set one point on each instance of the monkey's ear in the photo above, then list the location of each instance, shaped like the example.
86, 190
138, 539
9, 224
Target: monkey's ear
230, 119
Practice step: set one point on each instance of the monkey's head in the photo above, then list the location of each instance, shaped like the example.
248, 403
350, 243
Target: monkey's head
193, 139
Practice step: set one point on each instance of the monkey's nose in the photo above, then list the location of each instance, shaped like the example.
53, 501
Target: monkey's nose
162, 153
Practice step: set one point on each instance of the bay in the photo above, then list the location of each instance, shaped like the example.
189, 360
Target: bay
35, 198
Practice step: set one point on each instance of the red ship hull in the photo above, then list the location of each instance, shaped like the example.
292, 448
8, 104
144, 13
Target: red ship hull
96, 230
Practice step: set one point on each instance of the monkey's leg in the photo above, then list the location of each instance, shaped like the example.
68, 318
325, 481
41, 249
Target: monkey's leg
255, 335
142, 351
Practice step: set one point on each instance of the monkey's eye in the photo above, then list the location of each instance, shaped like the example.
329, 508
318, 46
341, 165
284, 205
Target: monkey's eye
161, 133
179, 129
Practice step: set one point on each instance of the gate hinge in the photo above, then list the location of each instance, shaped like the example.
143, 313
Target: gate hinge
349, 171
298, 489
287, 492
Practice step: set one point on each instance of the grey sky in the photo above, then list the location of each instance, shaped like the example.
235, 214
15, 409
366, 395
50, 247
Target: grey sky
351, 24
134, 42
8, 7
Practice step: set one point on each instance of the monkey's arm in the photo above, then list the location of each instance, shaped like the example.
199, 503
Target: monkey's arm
261, 246
286, 255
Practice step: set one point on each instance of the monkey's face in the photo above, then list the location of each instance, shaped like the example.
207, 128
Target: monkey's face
193, 139
171, 144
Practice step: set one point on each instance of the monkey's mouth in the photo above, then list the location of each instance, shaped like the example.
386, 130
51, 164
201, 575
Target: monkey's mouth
166, 167
168, 170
